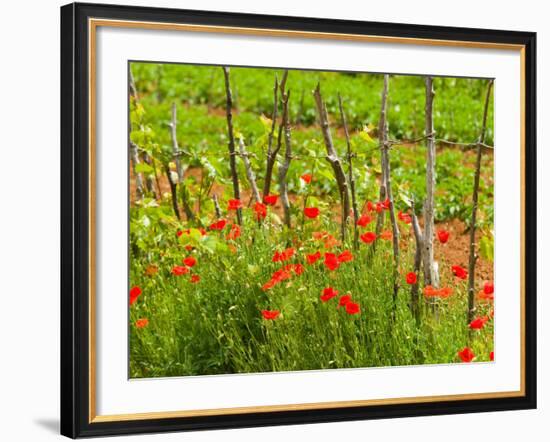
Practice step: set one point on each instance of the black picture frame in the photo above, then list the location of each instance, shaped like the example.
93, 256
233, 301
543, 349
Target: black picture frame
75, 220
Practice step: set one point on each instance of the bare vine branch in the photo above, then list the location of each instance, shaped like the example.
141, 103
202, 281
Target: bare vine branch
217, 206
231, 142
272, 153
472, 255
383, 146
389, 196
333, 159
415, 296
351, 178
284, 166
179, 166
249, 172
131, 145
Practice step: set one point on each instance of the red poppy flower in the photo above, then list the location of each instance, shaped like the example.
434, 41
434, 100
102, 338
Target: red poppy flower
270, 200
306, 178
379, 207
487, 293
386, 203
459, 272
386, 235
345, 256
179, 233
411, 278
368, 237
270, 314
179, 270
492, 356
190, 261
364, 220
134, 294
203, 231
478, 323
268, 285
285, 255
431, 292
482, 296
218, 225
194, 279
370, 206
151, 270
328, 294
331, 261
234, 233
352, 308
443, 236
344, 300
319, 235
282, 274
260, 210
234, 204
330, 242
311, 212
405, 217
313, 258
189, 248
466, 354
143, 322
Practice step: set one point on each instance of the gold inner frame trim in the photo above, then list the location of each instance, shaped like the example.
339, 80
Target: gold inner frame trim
93, 24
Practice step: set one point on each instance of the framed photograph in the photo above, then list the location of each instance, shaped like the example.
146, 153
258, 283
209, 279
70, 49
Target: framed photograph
274, 220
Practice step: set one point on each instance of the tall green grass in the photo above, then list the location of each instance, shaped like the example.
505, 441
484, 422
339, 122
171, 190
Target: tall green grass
215, 326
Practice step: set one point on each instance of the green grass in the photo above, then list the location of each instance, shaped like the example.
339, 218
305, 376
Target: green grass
215, 325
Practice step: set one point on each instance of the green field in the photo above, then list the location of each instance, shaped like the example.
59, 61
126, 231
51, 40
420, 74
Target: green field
209, 320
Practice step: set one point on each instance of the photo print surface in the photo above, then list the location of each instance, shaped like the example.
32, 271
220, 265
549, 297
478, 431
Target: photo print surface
284, 220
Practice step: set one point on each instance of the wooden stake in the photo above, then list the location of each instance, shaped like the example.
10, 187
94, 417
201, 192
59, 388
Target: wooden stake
272, 153
132, 146
382, 141
472, 256
430, 277
389, 196
350, 175
284, 166
231, 142
176, 153
173, 191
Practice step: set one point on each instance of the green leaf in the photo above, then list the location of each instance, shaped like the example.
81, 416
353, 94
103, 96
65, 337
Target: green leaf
191, 237
403, 196
144, 168
266, 122
486, 248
